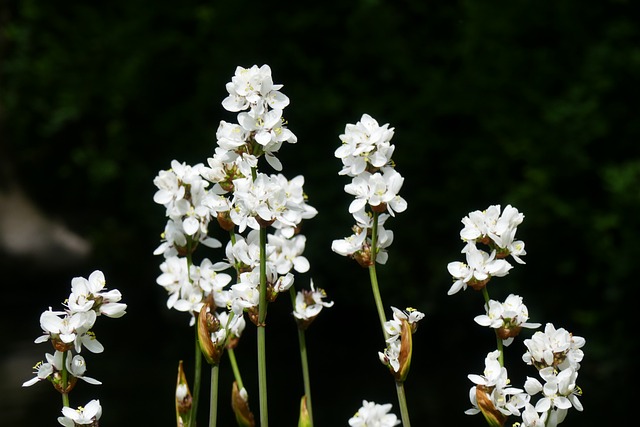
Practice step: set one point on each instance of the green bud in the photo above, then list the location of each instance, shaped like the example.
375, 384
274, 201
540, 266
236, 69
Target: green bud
305, 418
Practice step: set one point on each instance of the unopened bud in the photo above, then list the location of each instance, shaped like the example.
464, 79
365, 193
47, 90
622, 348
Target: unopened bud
240, 405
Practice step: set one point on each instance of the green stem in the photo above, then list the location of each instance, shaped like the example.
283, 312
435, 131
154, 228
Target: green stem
234, 368
402, 401
213, 406
196, 382
485, 294
65, 380
374, 277
191, 418
304, 360
262, 315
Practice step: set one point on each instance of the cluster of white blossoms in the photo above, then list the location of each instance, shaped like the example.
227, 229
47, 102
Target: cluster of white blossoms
231, 192
397, 354
507, 318
497, 231
372, 414
70, 330
555, 353
366, 152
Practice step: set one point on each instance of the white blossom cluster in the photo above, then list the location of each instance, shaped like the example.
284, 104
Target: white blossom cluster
556, 354
497, 231
372, 414
70, 330
366, 152
390, 357
507, 318
231, 192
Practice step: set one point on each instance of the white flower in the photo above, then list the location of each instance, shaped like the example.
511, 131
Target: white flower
559, 390
377, 189
287, 254
309, 304
350, 245
77, 367
372, 414
365, 143
479, 268
507, 317
554, 347
391, 355
70, 330
86, 292
499, 229
44, 369
87, 415
253, 88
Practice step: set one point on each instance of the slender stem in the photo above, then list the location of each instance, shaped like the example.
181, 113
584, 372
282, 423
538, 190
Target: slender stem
305, 373
65, 380
262, 315
213, 406
304, 361
402, 401
196, 382
198, 354
485, 294
234, 368
373, 275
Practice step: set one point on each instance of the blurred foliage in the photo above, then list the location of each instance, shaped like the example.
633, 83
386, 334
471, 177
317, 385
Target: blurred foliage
529, 103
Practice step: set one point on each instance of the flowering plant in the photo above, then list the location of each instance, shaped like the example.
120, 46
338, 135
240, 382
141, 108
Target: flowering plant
261, 216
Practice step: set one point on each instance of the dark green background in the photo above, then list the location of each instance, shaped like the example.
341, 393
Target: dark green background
530, 103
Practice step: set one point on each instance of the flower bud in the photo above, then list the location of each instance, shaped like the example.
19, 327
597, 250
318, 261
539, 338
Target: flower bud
494, 417
240, 405
305, 417
207, 323
406, 350
183, 397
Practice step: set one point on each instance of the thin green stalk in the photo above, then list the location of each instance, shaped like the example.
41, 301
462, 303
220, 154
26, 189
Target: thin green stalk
196, 382
485, 294
234, 368
262, 315
304, 361
213, 405
374, 277
402, 401
65, 380
191, 418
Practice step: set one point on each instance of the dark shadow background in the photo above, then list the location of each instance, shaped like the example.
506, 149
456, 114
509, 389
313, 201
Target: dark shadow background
530, 103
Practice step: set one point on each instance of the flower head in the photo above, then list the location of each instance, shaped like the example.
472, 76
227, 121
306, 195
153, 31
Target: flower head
87, 415
372, 414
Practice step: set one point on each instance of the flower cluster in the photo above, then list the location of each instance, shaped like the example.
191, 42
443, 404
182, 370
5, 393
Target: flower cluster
69, 331
372, 414
497, 231
507, 318
491, 393
555, 352
231, 192
366, 157
399, 330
